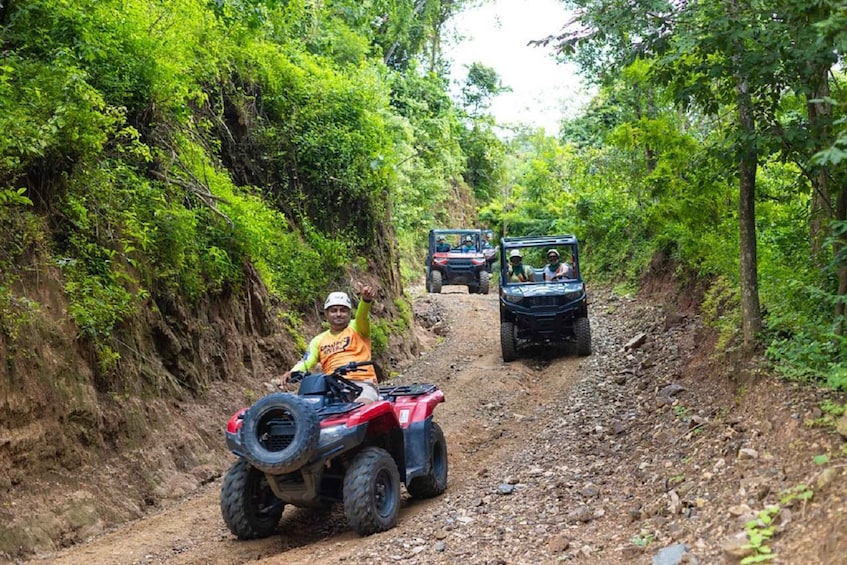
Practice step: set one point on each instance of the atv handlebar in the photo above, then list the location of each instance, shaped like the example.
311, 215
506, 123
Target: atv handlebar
297, 376
351, 367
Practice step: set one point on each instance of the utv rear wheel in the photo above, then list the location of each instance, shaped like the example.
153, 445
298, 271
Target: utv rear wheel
435, 282
279, 433
508, 342
435, 481
248, 505
372, 491
582, 329
484, 282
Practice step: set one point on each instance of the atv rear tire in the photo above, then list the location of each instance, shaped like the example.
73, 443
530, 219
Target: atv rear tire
582, 329
484, 282
508, 342
435, 481
279, 433
435, 282
372, 491
248, 505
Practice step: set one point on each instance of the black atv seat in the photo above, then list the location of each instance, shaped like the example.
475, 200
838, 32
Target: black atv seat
313, 384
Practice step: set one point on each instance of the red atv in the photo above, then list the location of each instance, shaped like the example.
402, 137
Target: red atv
317, 447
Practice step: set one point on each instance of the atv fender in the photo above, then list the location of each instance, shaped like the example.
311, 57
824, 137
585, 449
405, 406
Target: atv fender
416, 439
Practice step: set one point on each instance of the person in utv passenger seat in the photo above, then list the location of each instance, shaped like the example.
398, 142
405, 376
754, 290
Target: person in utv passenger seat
518, 272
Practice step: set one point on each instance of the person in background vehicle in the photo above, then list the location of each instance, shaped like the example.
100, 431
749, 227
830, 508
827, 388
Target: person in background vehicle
468, 245
442, 246
346, 340
489, 250
518, 272
555, 269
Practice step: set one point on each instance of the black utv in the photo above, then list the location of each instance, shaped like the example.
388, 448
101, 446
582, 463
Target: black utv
538, 306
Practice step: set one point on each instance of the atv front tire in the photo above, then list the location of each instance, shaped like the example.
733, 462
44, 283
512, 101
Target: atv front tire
508, 342
279, 433
248, 505
582, 329
372, 491
435, 481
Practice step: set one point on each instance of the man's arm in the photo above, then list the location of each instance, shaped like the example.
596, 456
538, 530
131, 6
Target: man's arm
361, 324
310, 358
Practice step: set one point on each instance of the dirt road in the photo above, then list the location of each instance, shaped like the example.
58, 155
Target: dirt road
553, 458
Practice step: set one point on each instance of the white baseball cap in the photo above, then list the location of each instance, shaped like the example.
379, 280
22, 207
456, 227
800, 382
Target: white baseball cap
338, 299
514, 253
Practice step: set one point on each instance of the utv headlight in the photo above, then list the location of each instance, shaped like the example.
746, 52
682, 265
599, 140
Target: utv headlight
512, 297
573, 292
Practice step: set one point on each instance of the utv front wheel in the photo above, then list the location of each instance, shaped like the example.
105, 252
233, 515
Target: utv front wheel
582, 329
248, 505
435, 282
372, 491
484, 282
435, 481
508, 342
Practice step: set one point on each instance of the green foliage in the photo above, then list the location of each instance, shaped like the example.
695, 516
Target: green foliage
759, 531
821, 459
9, 197
833, 409
721, 310
294, 326
642, 540
481, 87
484, 170
798, 493
23, 236
380, 332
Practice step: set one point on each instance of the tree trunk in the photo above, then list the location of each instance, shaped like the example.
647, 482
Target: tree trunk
819, 111
841, 270
751, 315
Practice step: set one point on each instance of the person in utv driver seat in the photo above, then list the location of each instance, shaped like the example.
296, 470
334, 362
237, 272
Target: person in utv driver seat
555, 269
346, 340
468, 245
518, 272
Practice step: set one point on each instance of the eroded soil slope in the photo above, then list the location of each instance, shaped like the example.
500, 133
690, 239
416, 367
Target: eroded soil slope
646, 449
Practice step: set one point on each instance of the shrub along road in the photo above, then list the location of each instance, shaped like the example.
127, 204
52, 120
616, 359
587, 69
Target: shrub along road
645, 450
